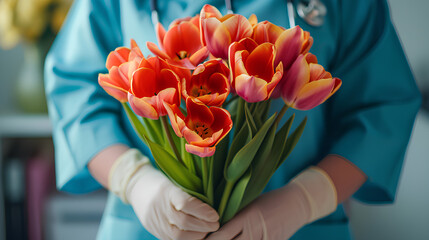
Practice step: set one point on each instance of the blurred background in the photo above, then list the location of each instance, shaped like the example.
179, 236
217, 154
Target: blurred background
31, 208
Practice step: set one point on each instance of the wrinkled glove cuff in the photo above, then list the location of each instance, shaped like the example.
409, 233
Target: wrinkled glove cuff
319, 190
123, 170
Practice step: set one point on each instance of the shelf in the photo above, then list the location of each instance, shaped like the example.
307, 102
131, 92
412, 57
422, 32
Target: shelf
25, 125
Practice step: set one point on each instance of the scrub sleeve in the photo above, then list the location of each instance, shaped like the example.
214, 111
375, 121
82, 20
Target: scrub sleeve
85, 119
372, 115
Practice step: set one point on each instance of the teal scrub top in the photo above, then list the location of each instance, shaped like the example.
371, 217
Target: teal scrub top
368, 121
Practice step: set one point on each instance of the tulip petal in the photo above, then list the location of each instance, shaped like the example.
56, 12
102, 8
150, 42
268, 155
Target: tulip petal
275, 79
200, 151
191, 136
176, 118
289, 45
155, 50
112, 89
160, 34
198, 113
296, 77
238, 27
199, 56
183, 37
168, 95
253, 20
217, 37
260, 61
143, 83
251, 88
223, 121
318, 72
314, 93
337, 85
142, 108
117, 57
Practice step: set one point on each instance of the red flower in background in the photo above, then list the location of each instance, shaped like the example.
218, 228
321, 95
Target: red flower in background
180, 45
152, 84
203, 127
253, 72
208, 83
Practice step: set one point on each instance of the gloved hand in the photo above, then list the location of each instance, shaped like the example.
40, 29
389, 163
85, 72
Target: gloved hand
280, 213
163, 209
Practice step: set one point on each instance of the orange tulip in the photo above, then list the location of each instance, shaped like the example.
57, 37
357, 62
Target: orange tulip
218, 32
266, 32
253, 72
208, 84
152, 84
121, 64
307, 84
203, 128
180, 45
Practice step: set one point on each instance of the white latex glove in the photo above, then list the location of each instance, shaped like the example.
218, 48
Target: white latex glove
280, 213
163, 209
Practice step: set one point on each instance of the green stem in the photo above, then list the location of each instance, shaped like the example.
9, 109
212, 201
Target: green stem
205, 171
170, 139
210, 187
225, 197
240, 115
281, 113
230, 101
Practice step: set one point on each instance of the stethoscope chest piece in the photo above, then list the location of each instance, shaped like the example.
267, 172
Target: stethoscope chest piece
312, 11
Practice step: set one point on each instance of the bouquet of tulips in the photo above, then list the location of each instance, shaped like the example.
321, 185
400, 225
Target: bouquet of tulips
188, 105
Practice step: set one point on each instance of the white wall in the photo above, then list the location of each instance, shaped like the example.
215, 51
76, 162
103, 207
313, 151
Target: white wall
408, 217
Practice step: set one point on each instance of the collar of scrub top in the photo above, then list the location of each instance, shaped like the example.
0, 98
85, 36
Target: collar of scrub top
311, 11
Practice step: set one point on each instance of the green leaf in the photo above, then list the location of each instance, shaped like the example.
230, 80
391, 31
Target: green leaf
237, 194
186, 157
195, 194
244, 157
249, 119
239, 117
242, 138
219, 160
292, 141
154, 130
265, 167
172, 168
135, 122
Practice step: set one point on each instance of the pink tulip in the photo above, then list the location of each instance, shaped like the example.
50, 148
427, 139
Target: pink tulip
218, 32
253, 72
307, 84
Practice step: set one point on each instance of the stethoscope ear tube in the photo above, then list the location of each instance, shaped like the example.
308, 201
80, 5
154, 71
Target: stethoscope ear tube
313, 12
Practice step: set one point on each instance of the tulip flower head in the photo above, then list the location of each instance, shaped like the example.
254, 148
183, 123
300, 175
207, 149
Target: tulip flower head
307, 84
121, 64
152, 84
180, 45
209, 83
203, 127
253, 72
218, 32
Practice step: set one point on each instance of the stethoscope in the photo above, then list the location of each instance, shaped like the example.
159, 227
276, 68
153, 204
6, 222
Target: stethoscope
313, 12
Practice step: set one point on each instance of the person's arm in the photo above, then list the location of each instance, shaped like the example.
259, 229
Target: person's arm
346, 177
101, 164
